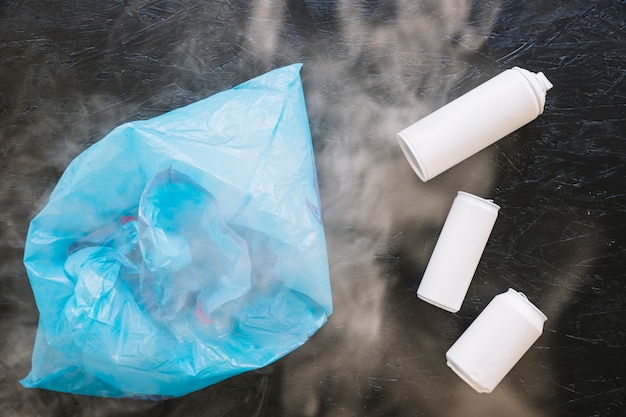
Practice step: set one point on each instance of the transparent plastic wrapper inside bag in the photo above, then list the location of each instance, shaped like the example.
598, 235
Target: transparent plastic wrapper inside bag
182, 250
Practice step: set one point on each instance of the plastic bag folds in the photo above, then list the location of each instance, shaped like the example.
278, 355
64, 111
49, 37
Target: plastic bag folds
182, 250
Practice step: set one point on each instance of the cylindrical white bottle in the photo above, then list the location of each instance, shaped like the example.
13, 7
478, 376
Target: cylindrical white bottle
458, 251
496, 340
473, 121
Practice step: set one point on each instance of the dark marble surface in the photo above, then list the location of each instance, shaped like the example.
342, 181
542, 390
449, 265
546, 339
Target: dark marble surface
72, 71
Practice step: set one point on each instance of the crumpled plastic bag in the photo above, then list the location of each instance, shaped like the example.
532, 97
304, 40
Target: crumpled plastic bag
179, 251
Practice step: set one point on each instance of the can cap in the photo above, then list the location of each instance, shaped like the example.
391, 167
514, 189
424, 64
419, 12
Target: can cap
458, 251
496, 340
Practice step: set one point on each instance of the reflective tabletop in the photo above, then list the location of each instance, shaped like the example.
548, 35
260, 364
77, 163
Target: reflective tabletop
70, 72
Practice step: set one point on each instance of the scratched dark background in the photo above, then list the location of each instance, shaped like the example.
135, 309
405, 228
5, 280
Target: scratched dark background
71, 71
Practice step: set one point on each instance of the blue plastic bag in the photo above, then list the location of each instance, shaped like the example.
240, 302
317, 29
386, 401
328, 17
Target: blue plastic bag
182, 250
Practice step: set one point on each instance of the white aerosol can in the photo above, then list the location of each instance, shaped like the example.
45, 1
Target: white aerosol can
496, 340
474, 121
